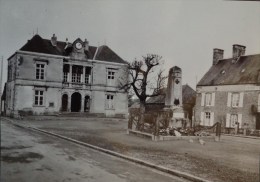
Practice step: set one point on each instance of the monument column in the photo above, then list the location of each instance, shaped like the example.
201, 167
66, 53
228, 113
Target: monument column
174, 88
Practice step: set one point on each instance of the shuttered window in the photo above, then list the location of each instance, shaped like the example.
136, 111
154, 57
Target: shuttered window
207, 118
232, 120
207, 99
235, 99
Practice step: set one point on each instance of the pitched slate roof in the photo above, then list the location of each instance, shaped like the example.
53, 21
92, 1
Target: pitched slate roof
187, 94
40, 45
244, 70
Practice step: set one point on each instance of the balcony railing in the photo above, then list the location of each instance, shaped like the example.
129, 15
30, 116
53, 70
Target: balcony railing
77, 85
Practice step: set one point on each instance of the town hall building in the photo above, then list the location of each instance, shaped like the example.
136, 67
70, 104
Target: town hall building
51, 76
230, 91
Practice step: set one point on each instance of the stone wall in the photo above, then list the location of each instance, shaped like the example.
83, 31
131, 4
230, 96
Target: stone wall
221, 108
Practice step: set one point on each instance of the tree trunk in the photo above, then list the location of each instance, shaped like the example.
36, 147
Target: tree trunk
142, 112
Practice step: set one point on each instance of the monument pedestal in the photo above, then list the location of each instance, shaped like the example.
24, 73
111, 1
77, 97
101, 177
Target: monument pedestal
177, 117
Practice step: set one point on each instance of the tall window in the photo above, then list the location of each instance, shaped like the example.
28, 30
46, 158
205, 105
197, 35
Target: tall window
65, 76
76, 77
76, 74
208, 99
88, 75
207, 118
66, 70
110, 102
235, 100
38, 97
110, 76
233, 120
40, 71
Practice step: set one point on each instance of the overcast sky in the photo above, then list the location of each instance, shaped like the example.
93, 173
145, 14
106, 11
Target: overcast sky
184, 33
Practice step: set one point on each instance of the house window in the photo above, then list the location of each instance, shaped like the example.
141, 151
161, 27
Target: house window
65, 76
207, 118
235, 100
76, 73
110, 76
208, 99
88, 75
38, 98
40, 71
110, 102
76, 77
66, 70
233, 120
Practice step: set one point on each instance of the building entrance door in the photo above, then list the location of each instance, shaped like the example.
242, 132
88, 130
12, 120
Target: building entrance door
64, 101
75, 102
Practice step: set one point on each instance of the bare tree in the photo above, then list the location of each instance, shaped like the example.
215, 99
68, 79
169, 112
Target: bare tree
140, 80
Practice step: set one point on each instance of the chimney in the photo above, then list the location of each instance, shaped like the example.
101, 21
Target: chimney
86, 45
218, 54
238, 50
54, 40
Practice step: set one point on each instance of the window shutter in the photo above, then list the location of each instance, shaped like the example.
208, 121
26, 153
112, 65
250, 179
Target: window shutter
241, 98
211, 118
201, 118
229, 99
202, 99
239, 120
228, 120
212, 99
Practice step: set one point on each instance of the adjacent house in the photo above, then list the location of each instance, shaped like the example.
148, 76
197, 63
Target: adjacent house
49, 76
230, 91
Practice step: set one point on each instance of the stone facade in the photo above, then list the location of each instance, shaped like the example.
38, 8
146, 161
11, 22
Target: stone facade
222, 108
230, 92
48, 76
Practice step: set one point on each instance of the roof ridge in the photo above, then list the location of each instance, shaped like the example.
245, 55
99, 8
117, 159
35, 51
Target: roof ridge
250, 55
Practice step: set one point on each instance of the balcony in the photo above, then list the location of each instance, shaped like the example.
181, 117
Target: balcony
77, 85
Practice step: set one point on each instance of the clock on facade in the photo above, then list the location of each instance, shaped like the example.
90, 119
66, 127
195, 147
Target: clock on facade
78, 45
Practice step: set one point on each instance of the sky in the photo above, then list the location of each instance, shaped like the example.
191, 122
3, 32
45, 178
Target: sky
183, 32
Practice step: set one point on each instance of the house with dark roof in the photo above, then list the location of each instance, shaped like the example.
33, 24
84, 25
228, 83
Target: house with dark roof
49, 76
230, 91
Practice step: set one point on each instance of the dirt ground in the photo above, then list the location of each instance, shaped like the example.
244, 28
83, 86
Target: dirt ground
233, 159
27, 156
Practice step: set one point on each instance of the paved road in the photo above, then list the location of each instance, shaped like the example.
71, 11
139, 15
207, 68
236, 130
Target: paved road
28, 157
